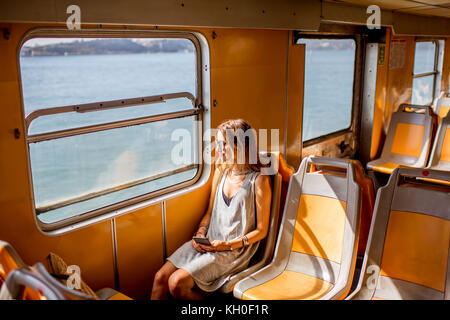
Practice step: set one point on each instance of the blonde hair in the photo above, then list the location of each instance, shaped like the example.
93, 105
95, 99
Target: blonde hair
234, 125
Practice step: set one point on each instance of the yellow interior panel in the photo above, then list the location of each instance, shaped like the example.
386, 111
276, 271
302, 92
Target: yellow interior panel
416, 249
445, 153
183, 214
378, 132
289, 285
408, 139
296, 77
139, 250
319, 229
119, 296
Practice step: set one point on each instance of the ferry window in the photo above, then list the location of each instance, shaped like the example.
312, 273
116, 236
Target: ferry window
101, 116
328, 93
425, 71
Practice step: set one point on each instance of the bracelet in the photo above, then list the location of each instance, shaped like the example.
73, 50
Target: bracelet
200, 227
198, 232
245, 241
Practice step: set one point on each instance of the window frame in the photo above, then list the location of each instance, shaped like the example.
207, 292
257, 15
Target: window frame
435, 71
201, 107
355, 95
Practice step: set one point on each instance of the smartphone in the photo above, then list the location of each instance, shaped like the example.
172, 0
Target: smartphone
202, 240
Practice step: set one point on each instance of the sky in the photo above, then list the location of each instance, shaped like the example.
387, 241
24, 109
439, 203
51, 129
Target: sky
43, 41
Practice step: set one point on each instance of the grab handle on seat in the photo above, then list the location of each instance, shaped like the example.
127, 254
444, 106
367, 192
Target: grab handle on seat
415, 106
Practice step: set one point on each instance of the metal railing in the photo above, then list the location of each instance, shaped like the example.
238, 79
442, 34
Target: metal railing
99, 106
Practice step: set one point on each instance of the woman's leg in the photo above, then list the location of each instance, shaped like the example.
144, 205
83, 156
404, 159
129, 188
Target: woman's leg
160, 287
181, 286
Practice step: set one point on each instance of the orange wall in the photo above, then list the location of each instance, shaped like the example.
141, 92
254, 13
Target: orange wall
248, 77
378, 133
394, 87
248, 73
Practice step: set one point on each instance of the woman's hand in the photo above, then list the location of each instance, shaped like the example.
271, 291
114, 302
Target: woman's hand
216, 246
196, 245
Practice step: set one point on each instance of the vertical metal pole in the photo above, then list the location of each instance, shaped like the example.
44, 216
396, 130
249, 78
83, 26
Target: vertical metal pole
368, 100
114, 247
163, 207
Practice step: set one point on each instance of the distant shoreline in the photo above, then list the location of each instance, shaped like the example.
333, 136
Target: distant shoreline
96, 54
109, 46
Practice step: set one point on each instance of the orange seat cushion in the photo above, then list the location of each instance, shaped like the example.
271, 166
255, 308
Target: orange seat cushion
289, 285
416, 249
445, 153
119, 296
319, 229
408, 139
443, 112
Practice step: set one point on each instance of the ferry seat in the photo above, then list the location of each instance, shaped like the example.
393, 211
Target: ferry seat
442, 106
316, 249
58, 268
367, 204
407, 255
265, 250
440, 153
64, 290
9, 260
70, 294
24, 284
408, 140
23, 280
367, 199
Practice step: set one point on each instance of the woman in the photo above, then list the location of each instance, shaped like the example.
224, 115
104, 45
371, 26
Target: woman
236, 220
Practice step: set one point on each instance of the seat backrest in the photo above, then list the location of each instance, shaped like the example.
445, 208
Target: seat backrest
440, 153
9, 260
23, 280
442, 105
408, 140
69, 294
320, 226
266, 246
367, 201
407, 255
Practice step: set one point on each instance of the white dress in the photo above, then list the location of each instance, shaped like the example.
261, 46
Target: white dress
211, 270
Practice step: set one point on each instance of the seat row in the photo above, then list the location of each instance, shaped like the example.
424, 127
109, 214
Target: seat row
407, 254
326, 222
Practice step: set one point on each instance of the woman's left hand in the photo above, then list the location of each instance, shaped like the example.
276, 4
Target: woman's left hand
216, 245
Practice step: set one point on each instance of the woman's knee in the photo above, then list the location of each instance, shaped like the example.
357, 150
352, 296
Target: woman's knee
161, 278
163, 274
179, 284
